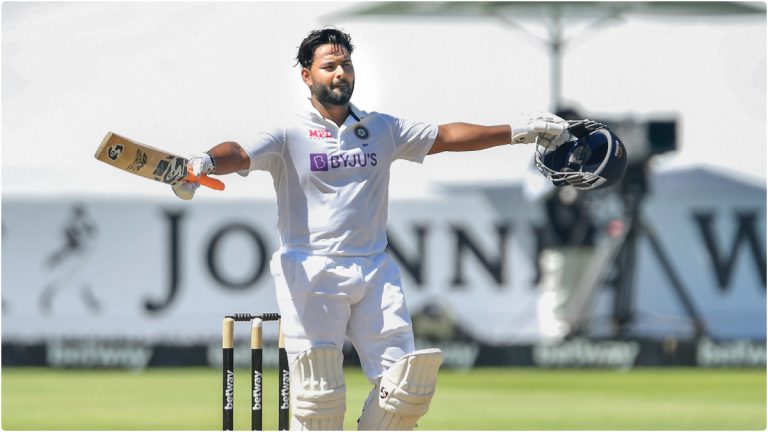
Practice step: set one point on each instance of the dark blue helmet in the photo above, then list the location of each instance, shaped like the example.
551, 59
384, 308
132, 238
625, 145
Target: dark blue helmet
596, 160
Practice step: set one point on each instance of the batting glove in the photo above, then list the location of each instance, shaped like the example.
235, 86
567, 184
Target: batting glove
201, 164
543, 127
582, 128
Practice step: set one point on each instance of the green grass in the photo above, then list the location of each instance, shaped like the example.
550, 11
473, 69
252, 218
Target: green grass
481, 399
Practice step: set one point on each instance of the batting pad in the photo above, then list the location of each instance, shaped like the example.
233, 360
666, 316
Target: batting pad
403, 393
318, 391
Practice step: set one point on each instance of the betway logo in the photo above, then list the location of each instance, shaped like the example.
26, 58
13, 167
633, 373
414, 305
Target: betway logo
320, 133
730, 354
79, 353
324, 162
580, 353
256, 391
285, 397
229, 393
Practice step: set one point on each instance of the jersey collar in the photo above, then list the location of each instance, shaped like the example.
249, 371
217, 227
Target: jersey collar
355, 114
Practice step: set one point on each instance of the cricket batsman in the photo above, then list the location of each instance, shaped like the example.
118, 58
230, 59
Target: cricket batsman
330, 166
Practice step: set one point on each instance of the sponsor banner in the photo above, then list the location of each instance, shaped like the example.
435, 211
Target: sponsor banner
577, 353
167, 271
730, 354
586, 353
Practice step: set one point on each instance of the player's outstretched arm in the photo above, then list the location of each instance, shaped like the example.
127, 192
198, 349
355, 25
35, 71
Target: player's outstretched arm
471, 137
225, 158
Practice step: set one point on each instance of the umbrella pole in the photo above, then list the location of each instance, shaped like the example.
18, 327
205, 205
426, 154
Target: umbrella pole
555, 60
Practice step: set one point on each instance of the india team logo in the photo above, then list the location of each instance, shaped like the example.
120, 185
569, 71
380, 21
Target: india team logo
318, 161
362, 132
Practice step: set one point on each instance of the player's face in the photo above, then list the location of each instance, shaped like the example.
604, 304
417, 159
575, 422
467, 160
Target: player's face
331, 79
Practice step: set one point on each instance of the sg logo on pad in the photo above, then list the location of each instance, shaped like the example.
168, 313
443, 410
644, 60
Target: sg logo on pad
318, 161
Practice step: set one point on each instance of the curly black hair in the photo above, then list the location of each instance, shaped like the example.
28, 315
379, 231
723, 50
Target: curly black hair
320, 37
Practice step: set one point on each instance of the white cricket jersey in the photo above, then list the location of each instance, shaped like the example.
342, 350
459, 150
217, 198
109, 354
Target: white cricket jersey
332, 182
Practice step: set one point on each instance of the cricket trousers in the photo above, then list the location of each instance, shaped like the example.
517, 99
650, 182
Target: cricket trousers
325, 299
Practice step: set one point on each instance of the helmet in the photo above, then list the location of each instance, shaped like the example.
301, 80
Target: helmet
596, 160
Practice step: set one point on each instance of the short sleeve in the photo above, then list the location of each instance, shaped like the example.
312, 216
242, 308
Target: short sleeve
412, 140
264, 151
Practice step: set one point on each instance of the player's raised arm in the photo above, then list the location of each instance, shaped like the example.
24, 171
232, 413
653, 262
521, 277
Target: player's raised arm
458, 137
224, 158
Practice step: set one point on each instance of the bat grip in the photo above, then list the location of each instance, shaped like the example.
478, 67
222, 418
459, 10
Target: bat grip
205, 181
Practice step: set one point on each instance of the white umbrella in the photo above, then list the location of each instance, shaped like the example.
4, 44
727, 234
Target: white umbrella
556, 16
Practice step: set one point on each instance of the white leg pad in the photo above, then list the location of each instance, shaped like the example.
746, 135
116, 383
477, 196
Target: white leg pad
318, 391
403, 393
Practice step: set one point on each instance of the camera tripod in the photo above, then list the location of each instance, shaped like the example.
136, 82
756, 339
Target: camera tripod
621, 257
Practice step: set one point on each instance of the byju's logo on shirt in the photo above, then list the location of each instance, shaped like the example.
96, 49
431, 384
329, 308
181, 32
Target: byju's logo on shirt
318, 161
320, 134
323, 162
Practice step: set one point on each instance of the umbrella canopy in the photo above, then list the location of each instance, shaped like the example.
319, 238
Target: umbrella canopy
537, 9
553, 14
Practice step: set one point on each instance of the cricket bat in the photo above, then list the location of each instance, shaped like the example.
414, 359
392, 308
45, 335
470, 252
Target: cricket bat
146, 161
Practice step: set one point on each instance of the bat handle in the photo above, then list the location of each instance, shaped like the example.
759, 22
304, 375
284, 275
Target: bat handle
205, 181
